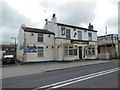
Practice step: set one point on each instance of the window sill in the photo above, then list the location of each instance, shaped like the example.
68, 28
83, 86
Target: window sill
40, 41
40, 56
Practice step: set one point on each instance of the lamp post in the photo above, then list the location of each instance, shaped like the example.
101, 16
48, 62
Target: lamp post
15, 46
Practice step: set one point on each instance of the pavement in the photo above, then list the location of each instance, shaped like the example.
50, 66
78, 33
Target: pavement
21, 70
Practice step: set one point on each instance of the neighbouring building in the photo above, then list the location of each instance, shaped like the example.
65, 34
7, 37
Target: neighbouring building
56, 42
119, 42
7, 49
108, 44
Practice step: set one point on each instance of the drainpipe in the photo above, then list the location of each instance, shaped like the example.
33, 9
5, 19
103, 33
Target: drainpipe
54, 48
24, 48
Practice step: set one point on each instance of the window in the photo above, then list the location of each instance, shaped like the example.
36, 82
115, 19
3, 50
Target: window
40, 51
40, 37
75, 51
70, 50
89, 51
68, 34
90, 36
66, 50
79, 35
93, 51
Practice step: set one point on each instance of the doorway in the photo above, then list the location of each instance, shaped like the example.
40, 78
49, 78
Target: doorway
80, 52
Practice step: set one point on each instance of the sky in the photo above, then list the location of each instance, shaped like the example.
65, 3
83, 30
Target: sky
32, 13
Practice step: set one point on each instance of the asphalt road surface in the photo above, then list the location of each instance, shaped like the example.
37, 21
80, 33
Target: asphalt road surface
90, 76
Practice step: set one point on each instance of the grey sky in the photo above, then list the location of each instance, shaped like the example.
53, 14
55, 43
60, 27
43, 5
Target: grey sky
100, 13
11, 23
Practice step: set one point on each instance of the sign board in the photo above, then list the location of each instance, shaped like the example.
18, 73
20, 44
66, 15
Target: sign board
30, 49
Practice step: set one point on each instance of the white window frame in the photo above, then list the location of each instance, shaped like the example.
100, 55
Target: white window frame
40, 51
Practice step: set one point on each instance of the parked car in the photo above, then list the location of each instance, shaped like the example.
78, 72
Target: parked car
8, 59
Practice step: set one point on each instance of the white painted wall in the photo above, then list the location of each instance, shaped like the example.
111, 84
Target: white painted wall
84, 33
48, 52
20, 38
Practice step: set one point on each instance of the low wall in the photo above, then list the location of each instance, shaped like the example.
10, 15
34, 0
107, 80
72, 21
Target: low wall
104, 56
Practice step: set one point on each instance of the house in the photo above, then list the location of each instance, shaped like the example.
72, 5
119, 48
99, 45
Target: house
35, 45
56, 42
7, 49
82, 40
108, 44
119, 42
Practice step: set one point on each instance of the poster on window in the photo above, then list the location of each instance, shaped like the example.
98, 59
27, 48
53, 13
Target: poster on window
30, 49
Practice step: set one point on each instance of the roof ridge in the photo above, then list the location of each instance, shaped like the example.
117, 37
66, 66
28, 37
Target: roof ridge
75, 26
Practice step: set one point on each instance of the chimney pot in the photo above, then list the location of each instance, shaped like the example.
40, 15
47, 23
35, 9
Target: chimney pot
90, 26
53, 15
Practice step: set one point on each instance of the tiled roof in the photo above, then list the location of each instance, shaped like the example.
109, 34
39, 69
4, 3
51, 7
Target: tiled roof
75, 27
36, 30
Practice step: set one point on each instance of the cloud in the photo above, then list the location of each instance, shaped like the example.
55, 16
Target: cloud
72, 12
11, 22
112, 22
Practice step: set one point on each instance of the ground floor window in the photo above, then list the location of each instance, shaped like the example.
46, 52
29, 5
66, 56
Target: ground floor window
75, 51
40, 51
66, 50
70, 50
89, 51
93, 51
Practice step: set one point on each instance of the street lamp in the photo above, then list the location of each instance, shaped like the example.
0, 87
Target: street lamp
15, 46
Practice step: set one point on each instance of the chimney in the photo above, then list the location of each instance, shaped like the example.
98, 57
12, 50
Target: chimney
46, 20
23, 25
54, 19
90, 26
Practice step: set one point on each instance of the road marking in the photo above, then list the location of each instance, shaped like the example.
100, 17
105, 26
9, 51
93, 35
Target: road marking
83, 79
78, 79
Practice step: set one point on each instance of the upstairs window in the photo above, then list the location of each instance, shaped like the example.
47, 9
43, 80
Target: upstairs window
40, 37
79, 35
68, 34
90, 36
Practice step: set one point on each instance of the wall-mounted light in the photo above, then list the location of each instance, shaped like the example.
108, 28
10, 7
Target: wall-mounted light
75, 45
48, 35
32, 34
46, 46
52, 46
63, 30
74, 35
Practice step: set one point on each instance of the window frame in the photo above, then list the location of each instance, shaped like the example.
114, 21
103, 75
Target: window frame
40, 54
89, 36
75, 52
40, 36
65, 50
71, 50
79, 35
68, 35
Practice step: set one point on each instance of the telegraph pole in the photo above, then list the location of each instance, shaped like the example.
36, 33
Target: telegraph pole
106, 40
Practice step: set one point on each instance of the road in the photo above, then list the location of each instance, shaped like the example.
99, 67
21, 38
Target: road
89, 76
